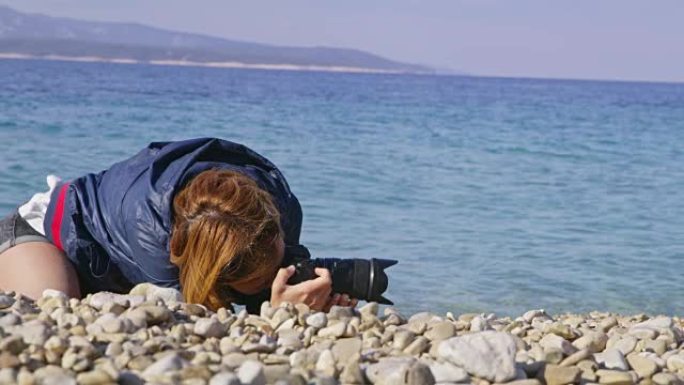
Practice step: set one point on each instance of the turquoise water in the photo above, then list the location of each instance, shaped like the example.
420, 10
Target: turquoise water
494, 194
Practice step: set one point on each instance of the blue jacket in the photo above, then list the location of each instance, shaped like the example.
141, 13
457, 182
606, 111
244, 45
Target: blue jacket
115, 225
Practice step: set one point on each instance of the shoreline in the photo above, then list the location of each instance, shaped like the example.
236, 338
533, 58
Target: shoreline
151, 335
184, 63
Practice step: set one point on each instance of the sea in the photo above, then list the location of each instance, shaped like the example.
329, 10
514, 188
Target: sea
496, 195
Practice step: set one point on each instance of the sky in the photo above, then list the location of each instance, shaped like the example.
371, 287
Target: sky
585, 39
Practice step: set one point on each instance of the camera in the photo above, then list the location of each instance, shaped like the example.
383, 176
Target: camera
363, 279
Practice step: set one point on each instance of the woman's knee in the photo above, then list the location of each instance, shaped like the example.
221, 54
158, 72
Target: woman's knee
30, 268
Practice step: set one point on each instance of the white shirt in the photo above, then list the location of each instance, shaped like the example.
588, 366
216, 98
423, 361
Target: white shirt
34, 210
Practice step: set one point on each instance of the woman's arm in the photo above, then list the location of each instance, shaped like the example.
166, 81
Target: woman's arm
30, 268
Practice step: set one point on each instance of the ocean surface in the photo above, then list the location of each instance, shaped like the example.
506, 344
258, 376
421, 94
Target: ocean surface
496, 195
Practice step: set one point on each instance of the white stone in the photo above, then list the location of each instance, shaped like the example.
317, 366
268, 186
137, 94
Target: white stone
655, 358
99, 299
426, 317
53, 375
369, 309
8, 376
335, 330
611, 359
532, 314
52, 293
169, 362
625, 344
649, 329
555, 342
153, 292
488, 354
6, 301
594, 341
479, 324
9, 320
326, 363
225, 378
317, 320
209, 327
448, 372
252, 373
675, 362
643, 366
34, 332
399, 371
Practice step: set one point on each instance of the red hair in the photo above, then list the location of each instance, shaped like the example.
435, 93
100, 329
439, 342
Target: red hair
225, 229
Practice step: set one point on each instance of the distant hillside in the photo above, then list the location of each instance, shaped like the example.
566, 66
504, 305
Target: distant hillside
33, 35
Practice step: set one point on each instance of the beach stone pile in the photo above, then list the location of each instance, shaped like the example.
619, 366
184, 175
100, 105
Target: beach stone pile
151, 336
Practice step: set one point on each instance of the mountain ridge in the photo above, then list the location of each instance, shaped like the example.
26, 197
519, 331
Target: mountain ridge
41, 36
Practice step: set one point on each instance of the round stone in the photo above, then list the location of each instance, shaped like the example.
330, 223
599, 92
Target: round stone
209, 327
6, 301
317, 320
252, 373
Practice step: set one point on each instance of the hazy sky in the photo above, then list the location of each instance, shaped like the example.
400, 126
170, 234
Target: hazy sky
605, 39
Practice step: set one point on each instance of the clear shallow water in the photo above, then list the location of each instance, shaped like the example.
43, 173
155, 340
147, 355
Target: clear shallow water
494, 194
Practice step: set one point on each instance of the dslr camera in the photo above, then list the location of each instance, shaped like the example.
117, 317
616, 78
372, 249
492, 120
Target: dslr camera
363, 279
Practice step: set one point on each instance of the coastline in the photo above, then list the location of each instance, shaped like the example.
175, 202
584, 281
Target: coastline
184, 63
150, 335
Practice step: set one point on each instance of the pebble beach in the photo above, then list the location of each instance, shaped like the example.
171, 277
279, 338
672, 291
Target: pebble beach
151, 336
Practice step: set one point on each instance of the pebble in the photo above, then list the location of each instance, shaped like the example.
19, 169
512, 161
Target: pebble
152, 292
665, 379
643, 366
9, 320
225, 378
209, 327
659, 347
344, 348
594, 341
317, 320
340, 312
611, 359
335, 330
418, 346
95, 377
448, 372
608, 323
529, 315
402, 338
614, 377
400, 371
675, 363
251, 373
6, 301
560, 375
440, 331
169, 362
625, 344
552, 341
489, 354
351, 372
369, 309
325, 364
98, 300
149, 335
34, 332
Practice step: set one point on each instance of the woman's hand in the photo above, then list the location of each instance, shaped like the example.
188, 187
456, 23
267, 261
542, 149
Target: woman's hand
315, 292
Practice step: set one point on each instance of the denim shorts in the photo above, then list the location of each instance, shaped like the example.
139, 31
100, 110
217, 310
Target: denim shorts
14, 230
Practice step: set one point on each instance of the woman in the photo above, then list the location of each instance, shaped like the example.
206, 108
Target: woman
209, 217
